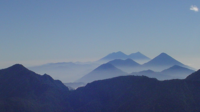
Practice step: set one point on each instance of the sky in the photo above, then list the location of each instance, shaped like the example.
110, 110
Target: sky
34, 32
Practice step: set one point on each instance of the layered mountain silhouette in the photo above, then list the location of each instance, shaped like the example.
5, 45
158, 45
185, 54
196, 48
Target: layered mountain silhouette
120, 55
69, 72
104, 71
174, 72
22, 90
25, 91
127, 65
65, 71
138, 94
161, 62
152, 74
177, 72
162, 67
124, 63
114, 55
139, 57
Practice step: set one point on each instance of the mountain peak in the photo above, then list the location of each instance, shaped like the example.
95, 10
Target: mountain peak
161, 62
105, 66
104, 71
138, 56
31, 90
177, 67
120, 52
121, 55
164, 59
178, 71
17, 67
120, 62
164, 54
138, 52
114, 55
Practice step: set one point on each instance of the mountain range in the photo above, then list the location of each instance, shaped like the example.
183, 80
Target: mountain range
69, 72
174, 72
162, 67
161, 62
66, 71
120, 55
25, 91
127, 65
177, 72
139, 94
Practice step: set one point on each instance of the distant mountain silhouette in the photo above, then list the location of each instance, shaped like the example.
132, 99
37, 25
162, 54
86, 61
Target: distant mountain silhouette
125, 65
102, 72
114, 55
138, 56
177, 72
147, 72
174, 72
120, 55
65, 71
23, 90
161, 62
152, 74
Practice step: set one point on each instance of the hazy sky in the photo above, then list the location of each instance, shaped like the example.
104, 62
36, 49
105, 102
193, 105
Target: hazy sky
34, 32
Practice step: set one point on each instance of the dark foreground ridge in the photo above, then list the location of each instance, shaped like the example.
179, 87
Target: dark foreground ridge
22, 90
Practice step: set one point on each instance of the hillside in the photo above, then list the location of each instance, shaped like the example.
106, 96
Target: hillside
104, 71
127, 65
137, 94
161, 62
25, 91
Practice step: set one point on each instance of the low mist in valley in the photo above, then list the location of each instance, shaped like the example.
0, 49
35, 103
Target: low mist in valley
99, 56
74, 75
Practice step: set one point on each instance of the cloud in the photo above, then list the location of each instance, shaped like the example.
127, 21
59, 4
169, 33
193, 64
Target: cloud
194, 8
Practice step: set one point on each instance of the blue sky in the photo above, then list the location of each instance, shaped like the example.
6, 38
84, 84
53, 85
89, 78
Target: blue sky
37, 32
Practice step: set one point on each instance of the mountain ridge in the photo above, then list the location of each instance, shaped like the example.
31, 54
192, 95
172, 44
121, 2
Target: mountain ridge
104, 71
120, 55
194, 76
138, 94
138, 56
161, 62
124, 63
174, 72
24, 90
